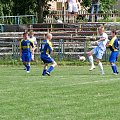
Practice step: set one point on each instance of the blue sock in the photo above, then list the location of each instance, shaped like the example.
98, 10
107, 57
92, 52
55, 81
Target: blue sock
50, 69
114, 68
44, 72
28, 67
25, 66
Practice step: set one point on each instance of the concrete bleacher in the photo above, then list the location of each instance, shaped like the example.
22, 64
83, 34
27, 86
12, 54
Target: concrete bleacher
71, 39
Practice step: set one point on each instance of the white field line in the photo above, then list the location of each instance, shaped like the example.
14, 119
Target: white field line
79, 83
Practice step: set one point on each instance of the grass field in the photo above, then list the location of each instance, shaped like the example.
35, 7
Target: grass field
71, 93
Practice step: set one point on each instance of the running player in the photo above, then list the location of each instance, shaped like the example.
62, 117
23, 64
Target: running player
46, 50
114, 47
25, 52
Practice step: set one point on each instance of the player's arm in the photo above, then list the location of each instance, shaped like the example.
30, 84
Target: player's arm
31, 44
110, 43
116, 44
20, 49
35, 43
50, 48
102, 39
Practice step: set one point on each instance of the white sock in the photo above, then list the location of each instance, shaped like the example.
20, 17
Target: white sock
91, 60
101, 67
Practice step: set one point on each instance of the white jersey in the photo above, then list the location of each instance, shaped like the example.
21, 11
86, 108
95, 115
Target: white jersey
33, 40
102, 44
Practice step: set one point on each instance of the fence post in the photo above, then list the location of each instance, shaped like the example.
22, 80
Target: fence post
33, 19
60, 54
1, 28
86, 47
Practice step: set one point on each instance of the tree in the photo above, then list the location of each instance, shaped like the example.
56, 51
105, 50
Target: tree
42, 6
105, 5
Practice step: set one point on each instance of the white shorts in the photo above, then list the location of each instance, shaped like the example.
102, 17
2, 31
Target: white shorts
98, 52
72, 7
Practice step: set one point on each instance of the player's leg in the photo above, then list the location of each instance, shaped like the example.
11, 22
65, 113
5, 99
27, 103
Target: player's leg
100, 66
28, 60
45, 69
51, 68
23, 60
91, 60
114, 68
28, 67
99, 56
25, 66
32, 55
112, 60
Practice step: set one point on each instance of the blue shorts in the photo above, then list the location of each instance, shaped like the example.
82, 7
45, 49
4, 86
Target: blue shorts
47, 59
26, 57
98, 52
113, 56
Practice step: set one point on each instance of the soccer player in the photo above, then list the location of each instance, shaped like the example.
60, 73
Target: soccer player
99, 50
32, 38
114, 47
25, 52
46, 50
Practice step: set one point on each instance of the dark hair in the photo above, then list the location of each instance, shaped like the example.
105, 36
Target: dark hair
25, 33
114, 31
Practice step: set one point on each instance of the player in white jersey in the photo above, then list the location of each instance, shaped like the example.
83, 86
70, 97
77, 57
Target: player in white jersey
32, 38
99, 50
72, 6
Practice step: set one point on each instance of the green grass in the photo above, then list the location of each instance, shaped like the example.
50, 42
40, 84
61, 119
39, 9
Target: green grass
71, 93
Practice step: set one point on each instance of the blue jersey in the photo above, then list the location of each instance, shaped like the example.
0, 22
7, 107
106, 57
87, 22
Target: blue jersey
114, 47
46, 47
25, 46
113, 44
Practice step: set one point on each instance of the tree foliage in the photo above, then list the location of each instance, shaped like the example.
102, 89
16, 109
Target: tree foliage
105, 5
23, 7
27, 7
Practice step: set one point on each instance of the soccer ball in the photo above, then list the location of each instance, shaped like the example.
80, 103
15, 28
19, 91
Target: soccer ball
82, 58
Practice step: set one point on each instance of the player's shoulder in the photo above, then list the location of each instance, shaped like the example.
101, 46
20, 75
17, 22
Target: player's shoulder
105, 34
116, 39
50, 43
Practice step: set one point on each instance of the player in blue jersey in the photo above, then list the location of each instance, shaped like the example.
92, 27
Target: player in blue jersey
99, 50
46, 50
25, 52
114, 47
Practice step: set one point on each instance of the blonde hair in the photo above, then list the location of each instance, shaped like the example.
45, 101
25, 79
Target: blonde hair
49, 36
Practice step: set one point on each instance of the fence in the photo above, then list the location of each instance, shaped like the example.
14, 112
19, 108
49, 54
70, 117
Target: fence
69, 40
82, 16
64, 49
21, 19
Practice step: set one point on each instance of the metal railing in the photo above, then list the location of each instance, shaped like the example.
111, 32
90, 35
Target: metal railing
82, 16
21, 19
